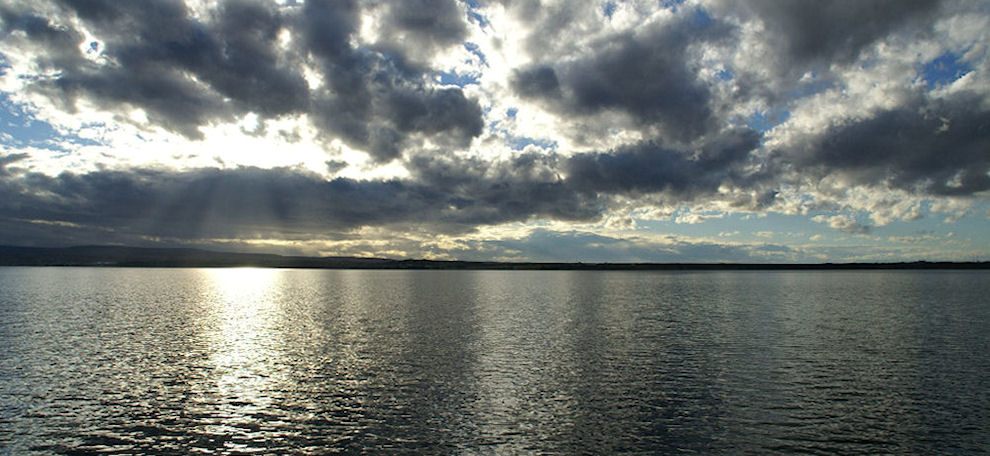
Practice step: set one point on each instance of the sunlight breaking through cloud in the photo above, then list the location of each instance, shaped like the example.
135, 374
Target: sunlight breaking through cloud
439, 127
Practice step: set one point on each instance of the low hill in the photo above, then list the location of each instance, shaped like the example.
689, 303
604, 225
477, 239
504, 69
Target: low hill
182, 257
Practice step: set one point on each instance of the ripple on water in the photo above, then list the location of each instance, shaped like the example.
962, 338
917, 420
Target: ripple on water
239, 362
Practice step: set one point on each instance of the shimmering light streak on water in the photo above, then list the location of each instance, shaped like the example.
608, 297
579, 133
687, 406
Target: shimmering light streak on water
258, 361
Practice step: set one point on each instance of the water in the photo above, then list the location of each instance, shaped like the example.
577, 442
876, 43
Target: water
254, 361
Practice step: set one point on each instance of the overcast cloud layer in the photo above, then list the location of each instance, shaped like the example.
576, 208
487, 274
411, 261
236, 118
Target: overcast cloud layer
512, 130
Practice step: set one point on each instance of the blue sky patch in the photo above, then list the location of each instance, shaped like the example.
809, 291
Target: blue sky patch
609, 9
21, 126
18, 128
474, 15
476, 50
460, 80
944, 69
701, 18
520, 143
765, 121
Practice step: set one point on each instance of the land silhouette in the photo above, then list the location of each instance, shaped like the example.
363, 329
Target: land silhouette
118, 256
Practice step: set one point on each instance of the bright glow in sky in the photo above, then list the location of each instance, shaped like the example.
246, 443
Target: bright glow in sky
698, 130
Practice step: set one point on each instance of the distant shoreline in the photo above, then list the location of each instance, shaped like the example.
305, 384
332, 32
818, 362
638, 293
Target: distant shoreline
114, 256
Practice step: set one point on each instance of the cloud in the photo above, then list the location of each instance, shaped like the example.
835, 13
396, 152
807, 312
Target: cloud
933, 146
843, 223
836, 31
537, 82
186, 71
649, 167
645, 74
695, 218
423, 27
573, 246
7, 159
289, 203
483, 192
798, 48
442, 194
453, 118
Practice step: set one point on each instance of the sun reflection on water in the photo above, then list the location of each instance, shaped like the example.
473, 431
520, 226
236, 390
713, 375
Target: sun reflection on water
245, 344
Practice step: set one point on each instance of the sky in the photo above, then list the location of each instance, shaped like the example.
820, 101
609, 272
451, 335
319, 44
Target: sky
595, 131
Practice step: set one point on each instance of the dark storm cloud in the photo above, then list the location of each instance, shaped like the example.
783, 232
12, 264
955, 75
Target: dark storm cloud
207, 203
247, 202
186, 73
327, 27
480, 192
378, 101
537, 81
431, 24
578, 187
931, 146
178, 70
385, 114
830, 31
647, 75
649, 167
61, 42
435, 111
816, 37
182, 72
448, 194
7, 159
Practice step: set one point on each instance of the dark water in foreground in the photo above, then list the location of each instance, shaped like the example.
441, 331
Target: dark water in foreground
242, 361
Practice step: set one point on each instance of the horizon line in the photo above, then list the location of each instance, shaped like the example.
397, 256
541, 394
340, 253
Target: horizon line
174, 257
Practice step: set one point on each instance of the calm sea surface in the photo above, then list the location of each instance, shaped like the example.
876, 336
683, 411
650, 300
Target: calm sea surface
257, 361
